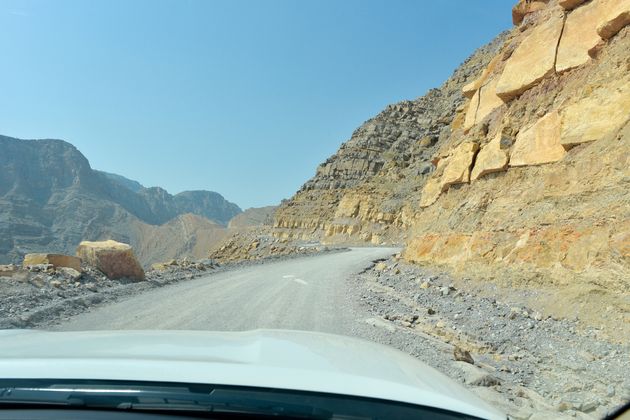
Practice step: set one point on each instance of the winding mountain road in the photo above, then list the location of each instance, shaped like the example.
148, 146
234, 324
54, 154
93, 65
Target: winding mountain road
308, 293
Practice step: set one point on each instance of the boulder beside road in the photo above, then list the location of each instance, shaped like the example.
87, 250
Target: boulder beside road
115, 259
56, 260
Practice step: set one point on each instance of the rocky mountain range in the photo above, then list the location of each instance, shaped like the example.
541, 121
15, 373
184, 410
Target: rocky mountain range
51, 199
513, 173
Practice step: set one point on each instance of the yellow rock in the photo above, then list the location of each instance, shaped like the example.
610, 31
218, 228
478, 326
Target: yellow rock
471, 111
579, 35
488, 100
431, 191
470, 89
57, 260
491, 158
570, 4
616, 15
457, 170
532, 60
114, 259
539, 143
525, 7
600, 113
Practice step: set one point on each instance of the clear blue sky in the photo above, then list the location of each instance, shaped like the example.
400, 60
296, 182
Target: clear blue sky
244, 98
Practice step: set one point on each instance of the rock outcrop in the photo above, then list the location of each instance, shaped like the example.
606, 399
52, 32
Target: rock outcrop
56, 260
525, 179
116, 260
360, 193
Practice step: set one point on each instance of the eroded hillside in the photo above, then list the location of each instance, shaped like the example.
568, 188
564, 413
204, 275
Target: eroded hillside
51, 199
515, 171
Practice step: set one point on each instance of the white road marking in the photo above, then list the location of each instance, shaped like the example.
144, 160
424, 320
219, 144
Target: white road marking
300, 281
288, 276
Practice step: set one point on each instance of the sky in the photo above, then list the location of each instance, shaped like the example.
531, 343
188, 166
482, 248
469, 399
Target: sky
244, 98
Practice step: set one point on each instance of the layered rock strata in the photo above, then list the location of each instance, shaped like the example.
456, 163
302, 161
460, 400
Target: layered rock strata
526, 183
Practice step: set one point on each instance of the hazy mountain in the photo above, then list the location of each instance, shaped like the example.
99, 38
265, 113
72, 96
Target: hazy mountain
51, 199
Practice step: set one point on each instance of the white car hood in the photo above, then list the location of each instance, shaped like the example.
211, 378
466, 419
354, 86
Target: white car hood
262, 358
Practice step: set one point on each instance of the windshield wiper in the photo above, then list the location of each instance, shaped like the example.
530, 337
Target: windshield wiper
222, 402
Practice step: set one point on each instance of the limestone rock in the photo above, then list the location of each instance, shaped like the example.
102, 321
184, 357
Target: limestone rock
532, 60
431, 191
69, 273
56, 260
579, 35
471, 111
616, 15
462, 355
116, 260
457, 170
539, 143
8, 270
470, 89
475, 376
598, 114
488, 100
525, 7
483, 102
570, 4
491, 158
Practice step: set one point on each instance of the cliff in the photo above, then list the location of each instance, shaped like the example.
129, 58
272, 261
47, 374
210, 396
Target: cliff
516, 171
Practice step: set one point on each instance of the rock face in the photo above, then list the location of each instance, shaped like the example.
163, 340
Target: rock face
579, 36
491, 158
51, 199
360, 193
533, 59
116, 260
56, 260
539, 143
528, 192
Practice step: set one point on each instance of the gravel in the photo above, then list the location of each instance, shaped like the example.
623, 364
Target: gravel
43, 297
525, 363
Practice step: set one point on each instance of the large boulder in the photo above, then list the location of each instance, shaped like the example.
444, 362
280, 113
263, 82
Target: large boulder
116, 260
56, 260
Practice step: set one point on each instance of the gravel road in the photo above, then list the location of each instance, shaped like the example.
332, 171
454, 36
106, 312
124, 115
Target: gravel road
530, 366
305, 294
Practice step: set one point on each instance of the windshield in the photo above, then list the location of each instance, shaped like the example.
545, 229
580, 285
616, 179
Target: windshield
395, 206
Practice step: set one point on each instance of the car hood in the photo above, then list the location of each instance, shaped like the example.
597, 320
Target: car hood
282, 359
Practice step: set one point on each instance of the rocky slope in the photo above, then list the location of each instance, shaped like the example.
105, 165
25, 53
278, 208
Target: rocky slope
515, 171
254, 216
51, 199
359, 194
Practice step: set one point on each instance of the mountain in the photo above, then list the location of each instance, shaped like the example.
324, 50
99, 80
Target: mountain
51, 199
134, 186
514, 173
